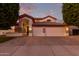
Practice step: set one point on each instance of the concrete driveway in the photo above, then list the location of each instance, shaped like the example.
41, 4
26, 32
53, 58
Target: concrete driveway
41, 46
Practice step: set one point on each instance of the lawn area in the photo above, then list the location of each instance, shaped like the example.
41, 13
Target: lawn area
4, 39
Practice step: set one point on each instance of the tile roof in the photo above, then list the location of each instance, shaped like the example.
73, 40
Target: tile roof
26, 15
48, 24
45, 18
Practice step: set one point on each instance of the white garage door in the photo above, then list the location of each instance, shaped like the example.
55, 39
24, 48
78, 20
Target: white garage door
55, 31
38, 31
49, 31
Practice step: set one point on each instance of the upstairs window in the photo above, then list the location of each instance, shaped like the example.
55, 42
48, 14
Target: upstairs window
48, 20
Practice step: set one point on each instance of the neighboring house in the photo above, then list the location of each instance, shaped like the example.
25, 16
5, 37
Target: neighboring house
46, 26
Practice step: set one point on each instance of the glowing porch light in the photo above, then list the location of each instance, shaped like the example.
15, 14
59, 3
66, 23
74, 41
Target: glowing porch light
67, 31
30, 28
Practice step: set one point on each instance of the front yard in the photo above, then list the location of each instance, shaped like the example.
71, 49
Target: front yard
4, 38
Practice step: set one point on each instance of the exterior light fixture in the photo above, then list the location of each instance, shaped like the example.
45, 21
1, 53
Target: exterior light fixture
67, 31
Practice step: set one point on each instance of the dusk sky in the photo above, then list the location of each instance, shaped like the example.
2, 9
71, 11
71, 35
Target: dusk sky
42, 9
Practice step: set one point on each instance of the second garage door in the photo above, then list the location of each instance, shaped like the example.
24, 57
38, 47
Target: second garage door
55, 31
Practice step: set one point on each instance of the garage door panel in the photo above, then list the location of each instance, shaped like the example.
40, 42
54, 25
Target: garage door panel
37, 31
55, 31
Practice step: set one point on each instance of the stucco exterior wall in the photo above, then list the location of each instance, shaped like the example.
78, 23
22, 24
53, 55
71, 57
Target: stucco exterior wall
23, 20
45, 20
30, 21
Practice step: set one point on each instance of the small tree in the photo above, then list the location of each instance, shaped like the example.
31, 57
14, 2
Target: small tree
71, 13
